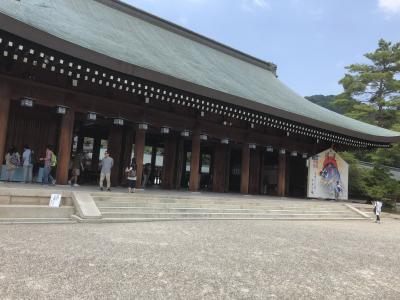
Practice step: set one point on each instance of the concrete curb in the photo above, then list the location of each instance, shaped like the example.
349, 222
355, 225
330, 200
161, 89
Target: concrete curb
358, 211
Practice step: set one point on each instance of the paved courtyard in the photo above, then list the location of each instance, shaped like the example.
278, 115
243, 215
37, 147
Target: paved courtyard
202, 260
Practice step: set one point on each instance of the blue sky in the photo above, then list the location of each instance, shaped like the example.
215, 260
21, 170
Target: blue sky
311, 41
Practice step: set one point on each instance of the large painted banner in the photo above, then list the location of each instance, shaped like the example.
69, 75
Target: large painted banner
325, 171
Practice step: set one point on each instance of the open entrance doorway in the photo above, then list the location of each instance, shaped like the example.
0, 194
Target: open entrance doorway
269, 178
297, 176
235, 167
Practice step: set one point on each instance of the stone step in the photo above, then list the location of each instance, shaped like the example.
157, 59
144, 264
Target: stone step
36, 221
279, 218
156, 203
220, 215
224, 201
131, 209
104, 196
35, 211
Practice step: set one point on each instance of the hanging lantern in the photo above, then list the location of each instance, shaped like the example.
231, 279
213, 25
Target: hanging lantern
203, 137
61, 109
91, 116
185, 133
143, 126
27, 102
164, 130
119, 121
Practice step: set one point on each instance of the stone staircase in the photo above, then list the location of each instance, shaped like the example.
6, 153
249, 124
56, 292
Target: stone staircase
31, 206
122, 207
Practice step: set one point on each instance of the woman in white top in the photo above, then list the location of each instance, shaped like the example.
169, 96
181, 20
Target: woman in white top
12, 162
377, 211
130, 172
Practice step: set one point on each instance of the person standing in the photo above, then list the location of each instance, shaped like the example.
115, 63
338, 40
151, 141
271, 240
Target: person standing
130, 172
47, 160
377, 211
77, 166
106, 166
146, 174
338, 189
12, 162
27, 163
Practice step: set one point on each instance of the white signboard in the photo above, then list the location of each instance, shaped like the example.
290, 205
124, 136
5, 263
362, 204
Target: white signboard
325, 171
55, 200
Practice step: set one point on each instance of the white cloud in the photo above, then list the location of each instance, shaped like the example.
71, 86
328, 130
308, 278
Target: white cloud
252, 5
389, 6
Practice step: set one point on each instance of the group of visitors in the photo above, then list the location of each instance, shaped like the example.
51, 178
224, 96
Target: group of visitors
28, 161
130, 173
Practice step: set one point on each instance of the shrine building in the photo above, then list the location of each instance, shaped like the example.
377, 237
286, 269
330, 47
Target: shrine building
91, 75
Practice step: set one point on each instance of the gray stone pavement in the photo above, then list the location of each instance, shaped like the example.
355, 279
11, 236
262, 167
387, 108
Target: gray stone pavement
202, 260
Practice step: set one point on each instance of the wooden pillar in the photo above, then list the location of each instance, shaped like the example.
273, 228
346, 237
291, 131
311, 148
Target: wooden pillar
180, 163
96, 153
281, 175
220, 170
255, 171
153, 165
140, 137
115, 150
64, 146
287, 176
127, 152
244, 179
195, 162
4, 114
169, 162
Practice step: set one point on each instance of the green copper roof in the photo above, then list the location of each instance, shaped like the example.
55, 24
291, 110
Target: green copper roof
132, 39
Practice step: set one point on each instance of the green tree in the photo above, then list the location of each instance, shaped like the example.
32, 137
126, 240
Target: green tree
372, 91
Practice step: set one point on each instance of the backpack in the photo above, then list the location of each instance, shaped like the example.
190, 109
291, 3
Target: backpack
32, 158
131, 173
53, 160
14, 159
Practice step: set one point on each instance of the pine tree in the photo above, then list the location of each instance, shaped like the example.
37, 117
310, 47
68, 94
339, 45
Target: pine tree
372, 91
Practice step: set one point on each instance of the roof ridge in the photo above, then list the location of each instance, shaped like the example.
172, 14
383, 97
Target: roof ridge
187, 33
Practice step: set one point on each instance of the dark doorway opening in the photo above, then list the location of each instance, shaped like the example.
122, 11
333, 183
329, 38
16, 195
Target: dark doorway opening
297, 176
235, 170
269, 178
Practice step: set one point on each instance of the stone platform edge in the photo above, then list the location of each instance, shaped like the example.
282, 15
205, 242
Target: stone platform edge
85, 206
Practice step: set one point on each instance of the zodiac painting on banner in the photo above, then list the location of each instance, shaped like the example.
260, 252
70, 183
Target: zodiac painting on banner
326, 171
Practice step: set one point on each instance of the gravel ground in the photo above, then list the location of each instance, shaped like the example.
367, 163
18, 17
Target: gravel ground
202, 260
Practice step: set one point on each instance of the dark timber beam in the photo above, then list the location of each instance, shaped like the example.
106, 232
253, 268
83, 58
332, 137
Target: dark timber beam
195, 161
220, 170
4, 114
255, 171
140, 137
64, 146
281, 175
244, 179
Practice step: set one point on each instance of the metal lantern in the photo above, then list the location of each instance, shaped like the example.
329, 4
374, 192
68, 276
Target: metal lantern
203, 137
61, 109
164, 130
143, 126
119, 121
27, 102
92, 116
252, 146
185, 133
225, 141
